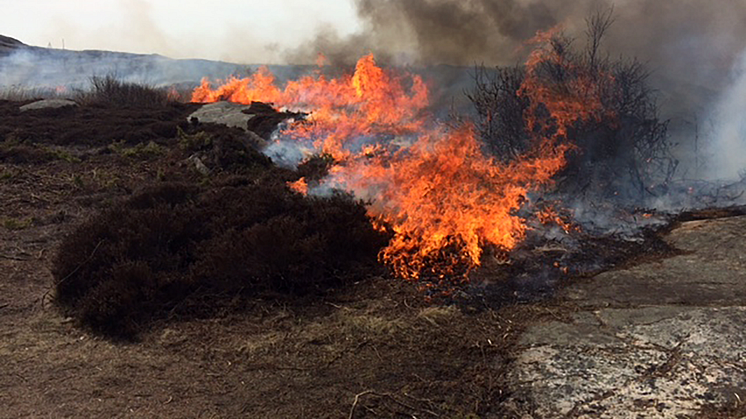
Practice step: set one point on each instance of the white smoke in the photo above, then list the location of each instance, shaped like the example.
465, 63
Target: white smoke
727, 148
46, 67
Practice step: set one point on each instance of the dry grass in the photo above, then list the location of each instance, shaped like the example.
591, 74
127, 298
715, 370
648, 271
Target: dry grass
25, 93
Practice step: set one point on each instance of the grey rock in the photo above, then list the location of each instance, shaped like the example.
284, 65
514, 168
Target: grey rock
199, 166
48, 103
225, 113
711, 271
658, 340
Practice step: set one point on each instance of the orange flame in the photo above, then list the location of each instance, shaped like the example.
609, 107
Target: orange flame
300, 186
550, 215
371, 102
442, 197
443, 193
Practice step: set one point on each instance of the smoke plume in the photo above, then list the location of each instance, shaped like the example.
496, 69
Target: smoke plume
688, 34
689, 46
687, 41
728, 141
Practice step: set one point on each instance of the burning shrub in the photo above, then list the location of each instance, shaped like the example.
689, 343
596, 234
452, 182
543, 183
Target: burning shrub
184, 250
621, 152
377, 141
447, 204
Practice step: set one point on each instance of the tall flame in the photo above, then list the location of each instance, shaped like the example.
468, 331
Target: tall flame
442, 197
445, 200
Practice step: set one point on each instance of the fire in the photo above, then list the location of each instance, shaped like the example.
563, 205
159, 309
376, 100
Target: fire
445, 200
173, 94
574, 97
442, 197
344, 112
300, 186
550, 215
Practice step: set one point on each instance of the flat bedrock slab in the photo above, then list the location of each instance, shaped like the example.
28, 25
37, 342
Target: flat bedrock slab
711, 271
658, 340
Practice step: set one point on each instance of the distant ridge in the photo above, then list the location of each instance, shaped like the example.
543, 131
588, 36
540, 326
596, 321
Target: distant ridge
8, 44
31, 67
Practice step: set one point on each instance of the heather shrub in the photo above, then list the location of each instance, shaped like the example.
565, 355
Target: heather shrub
178, 250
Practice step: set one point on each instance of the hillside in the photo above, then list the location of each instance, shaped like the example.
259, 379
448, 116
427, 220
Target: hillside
31, 66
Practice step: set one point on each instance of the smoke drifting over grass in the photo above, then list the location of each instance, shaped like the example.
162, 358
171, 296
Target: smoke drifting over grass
41, 67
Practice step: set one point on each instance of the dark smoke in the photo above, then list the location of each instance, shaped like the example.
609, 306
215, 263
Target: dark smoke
686, 41
434, 31
691, 47
693, 34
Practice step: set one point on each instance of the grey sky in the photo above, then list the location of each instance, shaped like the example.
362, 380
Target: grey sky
232, 30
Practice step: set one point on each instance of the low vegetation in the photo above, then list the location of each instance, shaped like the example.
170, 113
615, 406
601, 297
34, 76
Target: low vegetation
178, 249
108, 90
24, 94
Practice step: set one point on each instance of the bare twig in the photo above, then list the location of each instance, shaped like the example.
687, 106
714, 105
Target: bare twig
88, 259
355, 402
392, 398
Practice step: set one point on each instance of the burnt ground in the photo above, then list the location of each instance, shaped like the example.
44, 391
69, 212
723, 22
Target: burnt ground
369, 348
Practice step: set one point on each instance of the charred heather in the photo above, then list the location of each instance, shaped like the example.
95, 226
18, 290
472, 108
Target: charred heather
621, 154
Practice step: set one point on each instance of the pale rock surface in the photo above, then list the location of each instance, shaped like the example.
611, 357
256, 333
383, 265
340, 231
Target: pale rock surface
226, 113
658, 340
48, 103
